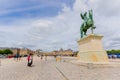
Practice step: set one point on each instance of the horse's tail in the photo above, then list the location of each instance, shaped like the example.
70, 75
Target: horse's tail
82, 26
81, 30
93, 27
81, 34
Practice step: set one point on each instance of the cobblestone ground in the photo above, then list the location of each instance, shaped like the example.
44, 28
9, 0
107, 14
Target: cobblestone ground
52, 70
41, 70
74, 72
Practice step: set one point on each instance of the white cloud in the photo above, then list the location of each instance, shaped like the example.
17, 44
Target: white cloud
62, 31
41, 23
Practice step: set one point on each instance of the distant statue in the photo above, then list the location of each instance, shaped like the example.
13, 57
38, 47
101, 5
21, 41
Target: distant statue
88, 23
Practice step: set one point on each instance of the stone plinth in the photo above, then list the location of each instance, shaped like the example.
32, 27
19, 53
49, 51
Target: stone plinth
91, 50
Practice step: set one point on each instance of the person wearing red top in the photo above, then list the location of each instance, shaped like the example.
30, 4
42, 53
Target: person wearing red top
30, 60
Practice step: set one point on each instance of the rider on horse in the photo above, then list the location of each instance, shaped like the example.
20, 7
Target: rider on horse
88, 22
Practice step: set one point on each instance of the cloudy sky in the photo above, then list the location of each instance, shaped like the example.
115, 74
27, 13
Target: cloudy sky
54, 24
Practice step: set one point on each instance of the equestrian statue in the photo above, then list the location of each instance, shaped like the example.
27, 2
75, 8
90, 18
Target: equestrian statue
88, 23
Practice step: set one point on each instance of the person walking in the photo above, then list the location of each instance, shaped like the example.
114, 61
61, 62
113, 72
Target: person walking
30, 59
18, 54
46, 57
41, 56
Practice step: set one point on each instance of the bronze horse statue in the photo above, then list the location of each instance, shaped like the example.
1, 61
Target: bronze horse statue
88, 23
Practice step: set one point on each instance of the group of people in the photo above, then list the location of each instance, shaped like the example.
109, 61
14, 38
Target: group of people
29, 57
43, 56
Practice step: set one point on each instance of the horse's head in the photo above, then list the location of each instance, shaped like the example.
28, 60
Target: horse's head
90, 14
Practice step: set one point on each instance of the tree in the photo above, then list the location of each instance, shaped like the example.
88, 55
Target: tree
1, 52
7, 51
113, 51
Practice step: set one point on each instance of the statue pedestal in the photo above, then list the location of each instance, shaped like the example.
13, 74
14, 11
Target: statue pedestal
91, 50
